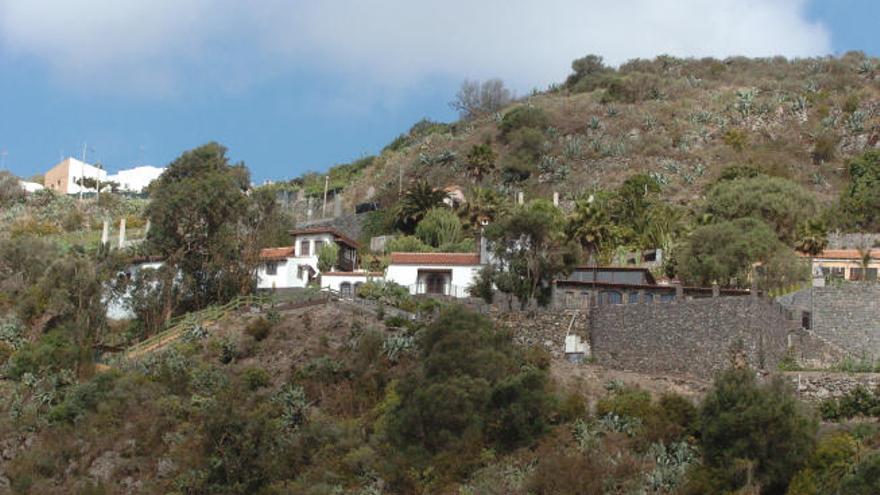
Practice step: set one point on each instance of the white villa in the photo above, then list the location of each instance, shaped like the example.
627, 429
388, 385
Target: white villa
297, 265
449, 274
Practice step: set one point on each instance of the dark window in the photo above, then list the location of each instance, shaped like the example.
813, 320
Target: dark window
633, 297
318, 246
649, 297
614, 297
345, 289
871, 274
806, 320
856, 274
834, 272
271, 268
667, 297
304, 248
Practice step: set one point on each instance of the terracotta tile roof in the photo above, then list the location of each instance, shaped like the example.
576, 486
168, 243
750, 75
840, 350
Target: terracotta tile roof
465, 259
845, 254
352, 274
276, 253
327, 230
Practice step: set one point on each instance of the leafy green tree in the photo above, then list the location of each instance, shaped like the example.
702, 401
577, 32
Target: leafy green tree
439, 227
523, 117
860, 202
865, 479
725, 252
780, 202
416, 203
200, 226
328, 256
407, 244
751, 435
490, 396
482, 203
531, 250
585, 71
480, 161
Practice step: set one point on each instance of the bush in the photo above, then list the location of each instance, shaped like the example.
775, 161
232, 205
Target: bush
857, 402
407, 244
256, 378
328, 256
825, 147
439, 227
11, 191
259, 329
523, 117
751, 433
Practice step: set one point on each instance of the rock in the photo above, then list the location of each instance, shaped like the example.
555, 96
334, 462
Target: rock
165, 468
104, 466
5, 485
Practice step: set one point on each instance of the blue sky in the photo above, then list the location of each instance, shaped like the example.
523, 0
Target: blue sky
291, 86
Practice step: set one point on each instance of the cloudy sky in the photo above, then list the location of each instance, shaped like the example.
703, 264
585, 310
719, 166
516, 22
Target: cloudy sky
292, 85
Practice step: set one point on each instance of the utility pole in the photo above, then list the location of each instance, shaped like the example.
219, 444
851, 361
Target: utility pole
326, 187
82, 172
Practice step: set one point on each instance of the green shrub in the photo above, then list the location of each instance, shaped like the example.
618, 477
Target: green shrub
736, 139
857, 402
259, 329
256, 378
751, 434
407, 244
628, 401
439, 227
522, 117
53, 352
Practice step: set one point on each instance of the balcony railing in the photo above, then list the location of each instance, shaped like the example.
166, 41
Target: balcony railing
449, 290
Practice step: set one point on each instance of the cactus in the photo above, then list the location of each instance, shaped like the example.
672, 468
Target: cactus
594, 123
856, 121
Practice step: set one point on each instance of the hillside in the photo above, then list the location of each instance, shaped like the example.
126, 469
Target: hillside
680, 120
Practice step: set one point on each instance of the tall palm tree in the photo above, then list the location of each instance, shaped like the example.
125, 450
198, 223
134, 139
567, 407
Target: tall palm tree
591, 226
483, 203
812, 237
481, 161
416, 202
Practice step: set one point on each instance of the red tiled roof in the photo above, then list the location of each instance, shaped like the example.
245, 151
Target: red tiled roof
845, 254
352, 274
435, 259
326, 230
276, 253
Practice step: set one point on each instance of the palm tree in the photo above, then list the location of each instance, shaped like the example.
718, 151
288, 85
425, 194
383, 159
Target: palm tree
812, 239
483, 203
480, 161
591, 226
416, 202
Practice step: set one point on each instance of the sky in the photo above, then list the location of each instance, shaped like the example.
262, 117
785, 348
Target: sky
290, 86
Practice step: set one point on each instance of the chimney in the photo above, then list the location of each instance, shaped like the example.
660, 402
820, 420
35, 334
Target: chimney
483, 246
555, 199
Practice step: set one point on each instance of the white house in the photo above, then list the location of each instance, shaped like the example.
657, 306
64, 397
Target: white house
30, 187
296, 266
63, 176
449, 274
136, 179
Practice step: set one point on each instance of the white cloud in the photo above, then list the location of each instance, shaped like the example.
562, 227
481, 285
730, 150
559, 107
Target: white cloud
391, 43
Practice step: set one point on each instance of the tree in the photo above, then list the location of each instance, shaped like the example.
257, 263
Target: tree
752, 435
482, 204
725, 252
591, 226
780, 202
491, 397
584, 71
531, 250
812, 237
328, 256
200, 225
439, 227
416, 202
481, 161
860, 201
630, 204
475, 99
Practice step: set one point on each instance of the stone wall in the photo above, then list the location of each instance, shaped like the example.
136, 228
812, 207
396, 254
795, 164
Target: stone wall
542, 328
698, 336
848, 315
815, 386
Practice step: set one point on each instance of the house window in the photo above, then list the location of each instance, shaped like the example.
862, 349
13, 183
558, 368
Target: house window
856, 274
871, 274
318, 246
633, 298
834, 272
614, 297
806, 320
345, 289
271, 268
304, 248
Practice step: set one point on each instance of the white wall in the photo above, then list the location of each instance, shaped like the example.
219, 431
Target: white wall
77, 169
463, 277
285, 276
119, 308
334, 282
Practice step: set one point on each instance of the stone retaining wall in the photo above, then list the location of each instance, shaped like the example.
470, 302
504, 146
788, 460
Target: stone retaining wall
816, 386
699, 336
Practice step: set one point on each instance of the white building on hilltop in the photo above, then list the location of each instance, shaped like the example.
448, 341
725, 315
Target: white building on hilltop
136, 179
64, 176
